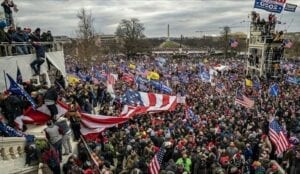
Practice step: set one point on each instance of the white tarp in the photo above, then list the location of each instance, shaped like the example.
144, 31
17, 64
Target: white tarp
9, 65
57, 59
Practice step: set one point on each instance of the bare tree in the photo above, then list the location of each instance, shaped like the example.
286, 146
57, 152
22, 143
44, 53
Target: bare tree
130, 33
86, 34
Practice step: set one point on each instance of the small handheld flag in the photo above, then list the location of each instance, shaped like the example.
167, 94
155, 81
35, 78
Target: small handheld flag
233, 43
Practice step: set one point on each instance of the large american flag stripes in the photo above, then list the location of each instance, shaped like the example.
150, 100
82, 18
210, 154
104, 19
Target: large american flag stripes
243, 100
156, 162
277, 136
149, 102
42, 114
90, 123
136, 103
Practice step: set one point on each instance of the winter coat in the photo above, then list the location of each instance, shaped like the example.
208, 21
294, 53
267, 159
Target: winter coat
39, 50
51, 94
12, 106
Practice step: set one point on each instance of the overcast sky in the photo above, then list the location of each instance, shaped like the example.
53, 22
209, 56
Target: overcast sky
184, 16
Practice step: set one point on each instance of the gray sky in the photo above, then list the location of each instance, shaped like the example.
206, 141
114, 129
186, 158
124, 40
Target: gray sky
184, 16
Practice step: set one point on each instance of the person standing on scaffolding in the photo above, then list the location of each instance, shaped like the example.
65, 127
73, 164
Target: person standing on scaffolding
7, 5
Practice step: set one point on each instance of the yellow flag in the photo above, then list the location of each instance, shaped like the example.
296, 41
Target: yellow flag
132, 66
153, 75
249, 83
73, 79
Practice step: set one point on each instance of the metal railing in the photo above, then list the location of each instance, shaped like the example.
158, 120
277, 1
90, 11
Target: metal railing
22, 48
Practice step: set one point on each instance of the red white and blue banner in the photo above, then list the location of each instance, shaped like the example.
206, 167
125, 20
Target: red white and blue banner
275, 6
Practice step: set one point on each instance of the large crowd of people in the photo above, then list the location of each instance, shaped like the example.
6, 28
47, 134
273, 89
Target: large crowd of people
208, 133
224, 137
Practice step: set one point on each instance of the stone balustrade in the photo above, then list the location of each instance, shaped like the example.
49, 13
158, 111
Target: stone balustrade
12, 148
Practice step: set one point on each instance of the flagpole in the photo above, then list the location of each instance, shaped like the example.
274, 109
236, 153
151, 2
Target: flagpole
5, 79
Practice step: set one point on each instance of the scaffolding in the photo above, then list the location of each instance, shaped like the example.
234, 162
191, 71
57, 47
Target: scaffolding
265, 50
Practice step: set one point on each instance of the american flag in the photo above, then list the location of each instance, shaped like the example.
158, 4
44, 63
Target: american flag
137, 103
220, 87
149, 101
243, 100
132, 98
156, 162
287, 43
42, 114
233, 43
129, 78
111, 79
277, 136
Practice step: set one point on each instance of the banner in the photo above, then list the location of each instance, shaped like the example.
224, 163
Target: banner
275, 6
290, 7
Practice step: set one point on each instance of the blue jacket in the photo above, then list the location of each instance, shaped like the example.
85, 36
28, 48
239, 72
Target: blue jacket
40, 51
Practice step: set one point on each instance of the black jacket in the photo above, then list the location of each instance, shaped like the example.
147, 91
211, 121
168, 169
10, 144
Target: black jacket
12, 106
51, 94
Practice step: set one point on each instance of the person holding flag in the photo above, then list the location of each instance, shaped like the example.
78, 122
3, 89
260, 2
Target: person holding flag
12, 104
12, 108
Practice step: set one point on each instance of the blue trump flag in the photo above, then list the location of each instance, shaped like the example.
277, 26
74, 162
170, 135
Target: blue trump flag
256, 83
293, 80
274, 90
166, 89
17, 90
161, 87
81, 76
141, 80
275, 6
190, 114
11, 132
183, 78
205, 76
155, 84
